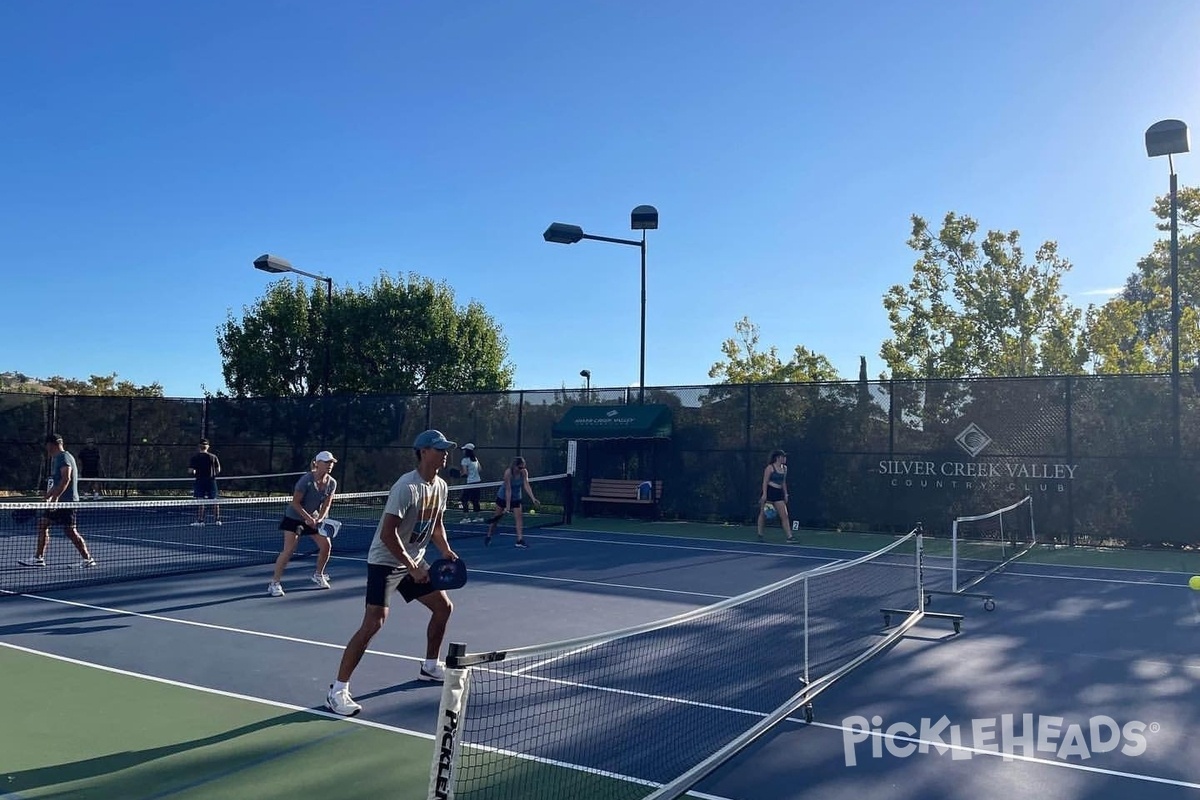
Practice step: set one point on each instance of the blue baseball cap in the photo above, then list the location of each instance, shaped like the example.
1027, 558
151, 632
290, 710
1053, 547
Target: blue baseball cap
433, 439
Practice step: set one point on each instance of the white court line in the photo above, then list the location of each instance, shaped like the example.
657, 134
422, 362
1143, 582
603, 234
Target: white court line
332, 716
207, 625
927, 566
381, 726
928, 557
297, 640
219, 692
722, 550
1045, 762
1086, 579
604, 584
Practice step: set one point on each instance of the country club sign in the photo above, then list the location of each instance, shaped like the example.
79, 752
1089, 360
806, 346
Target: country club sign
998, 473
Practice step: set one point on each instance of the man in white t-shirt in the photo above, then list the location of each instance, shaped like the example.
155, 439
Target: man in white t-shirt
412, 519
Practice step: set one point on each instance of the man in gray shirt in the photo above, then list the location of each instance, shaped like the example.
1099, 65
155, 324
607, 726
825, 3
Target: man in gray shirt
61, 485
412, 519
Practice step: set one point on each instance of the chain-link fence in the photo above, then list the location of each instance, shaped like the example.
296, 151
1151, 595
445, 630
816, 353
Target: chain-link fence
1098, 454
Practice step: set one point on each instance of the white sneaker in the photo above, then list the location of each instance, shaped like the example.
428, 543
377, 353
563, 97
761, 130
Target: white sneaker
84, 564
197, 524
218, 522
340, 702
275, 589
321, 580
438, 673
32, 562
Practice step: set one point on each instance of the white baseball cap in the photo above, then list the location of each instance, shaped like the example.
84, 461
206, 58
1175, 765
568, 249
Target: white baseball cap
324, 455
468, 446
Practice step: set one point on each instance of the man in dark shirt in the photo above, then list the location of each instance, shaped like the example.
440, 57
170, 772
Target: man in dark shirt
205, 467
89, 467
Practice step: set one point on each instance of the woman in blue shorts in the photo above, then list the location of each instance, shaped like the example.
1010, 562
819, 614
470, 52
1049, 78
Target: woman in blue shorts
774, 493
512, 490
303, 516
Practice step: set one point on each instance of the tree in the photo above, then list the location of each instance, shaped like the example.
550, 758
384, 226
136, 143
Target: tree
980, 308
745, 363
1131, 333
402, 335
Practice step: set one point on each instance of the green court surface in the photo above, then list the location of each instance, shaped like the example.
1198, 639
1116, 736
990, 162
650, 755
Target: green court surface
1176, 560
84, 733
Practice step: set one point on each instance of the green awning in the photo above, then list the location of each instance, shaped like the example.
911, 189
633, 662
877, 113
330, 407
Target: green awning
615, 422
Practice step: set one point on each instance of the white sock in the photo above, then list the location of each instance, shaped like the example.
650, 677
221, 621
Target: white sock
339, 685
430, 663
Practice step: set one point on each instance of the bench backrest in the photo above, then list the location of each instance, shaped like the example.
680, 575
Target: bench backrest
611, 487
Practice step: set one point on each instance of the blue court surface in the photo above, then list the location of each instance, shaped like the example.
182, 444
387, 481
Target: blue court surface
1082, 683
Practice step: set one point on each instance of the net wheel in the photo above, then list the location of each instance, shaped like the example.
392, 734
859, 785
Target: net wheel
808, 713
928, 599
989, 604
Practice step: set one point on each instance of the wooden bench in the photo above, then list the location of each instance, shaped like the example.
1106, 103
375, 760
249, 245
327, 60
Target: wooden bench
888, 613
611, 490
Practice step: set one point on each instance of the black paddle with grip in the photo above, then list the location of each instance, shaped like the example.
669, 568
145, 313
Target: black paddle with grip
444, 575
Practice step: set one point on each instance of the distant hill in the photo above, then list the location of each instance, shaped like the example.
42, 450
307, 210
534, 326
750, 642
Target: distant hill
95, 385
20, 382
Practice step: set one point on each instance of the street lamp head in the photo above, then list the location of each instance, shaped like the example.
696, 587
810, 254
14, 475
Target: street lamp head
1166, 138
269, 263
644, 218
585, 373
561, 233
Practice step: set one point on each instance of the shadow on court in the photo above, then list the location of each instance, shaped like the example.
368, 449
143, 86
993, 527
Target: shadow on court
64, 626
178, 767
1091, 685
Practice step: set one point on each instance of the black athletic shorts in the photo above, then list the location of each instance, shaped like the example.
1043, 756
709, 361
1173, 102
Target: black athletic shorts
296, 526
774, 494
205, 489
383, 580
61, 516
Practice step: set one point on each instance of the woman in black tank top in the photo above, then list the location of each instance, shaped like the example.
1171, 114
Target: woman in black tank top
773, 499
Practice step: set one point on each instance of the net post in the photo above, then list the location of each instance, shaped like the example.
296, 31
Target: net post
1032, 527
806, 631
954, 556
920, 569
1003, 539
568, 498
447, 742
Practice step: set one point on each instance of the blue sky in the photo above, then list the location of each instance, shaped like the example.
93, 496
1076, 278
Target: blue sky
152, 150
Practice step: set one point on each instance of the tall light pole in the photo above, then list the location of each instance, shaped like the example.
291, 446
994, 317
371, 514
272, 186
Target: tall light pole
642, 218
586, 374
1169, 137
275, 264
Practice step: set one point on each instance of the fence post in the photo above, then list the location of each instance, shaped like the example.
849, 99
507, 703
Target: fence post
128, 439
1070, 460
520, 418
